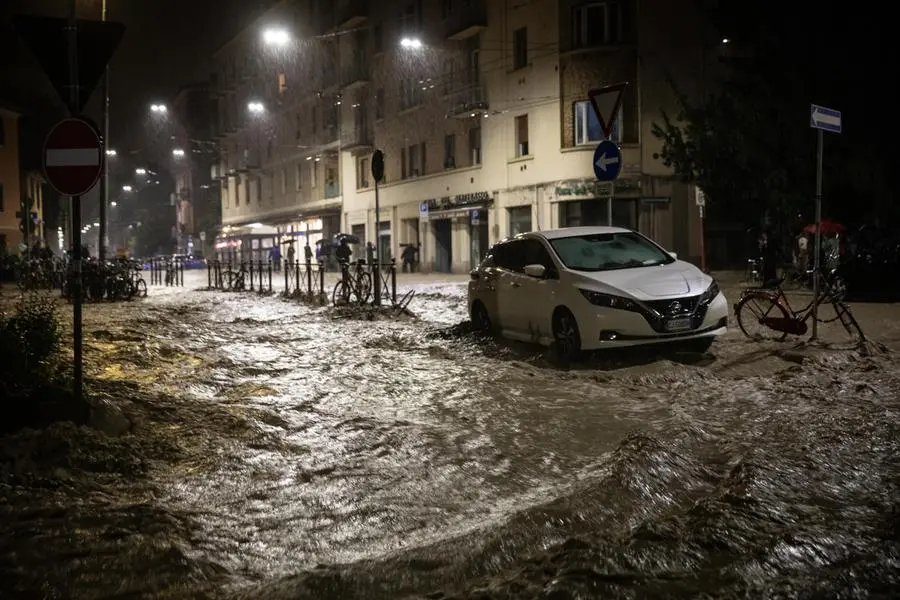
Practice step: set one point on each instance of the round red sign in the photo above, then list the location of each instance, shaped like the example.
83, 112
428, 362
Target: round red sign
73, 157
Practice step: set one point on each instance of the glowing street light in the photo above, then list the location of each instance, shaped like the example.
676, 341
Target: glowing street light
127, 188
140, 171
256, 107
110, 152
411, 43
725, 40
159, 108
177, 152
276, 37
114, 204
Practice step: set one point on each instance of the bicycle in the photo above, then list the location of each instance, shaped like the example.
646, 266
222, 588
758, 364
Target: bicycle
769, 307
357, 284
235, 280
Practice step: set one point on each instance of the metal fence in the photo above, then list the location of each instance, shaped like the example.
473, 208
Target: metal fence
297, 278
166, 271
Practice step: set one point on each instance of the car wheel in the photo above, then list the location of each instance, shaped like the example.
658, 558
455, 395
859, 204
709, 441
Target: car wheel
481, 320
699, 345
565, 333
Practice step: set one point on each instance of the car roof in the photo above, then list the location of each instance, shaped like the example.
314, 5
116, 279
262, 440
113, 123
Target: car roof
553, 234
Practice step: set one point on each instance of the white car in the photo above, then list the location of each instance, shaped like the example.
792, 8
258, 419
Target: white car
588, 288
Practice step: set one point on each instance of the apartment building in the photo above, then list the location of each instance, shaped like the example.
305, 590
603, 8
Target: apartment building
480, 107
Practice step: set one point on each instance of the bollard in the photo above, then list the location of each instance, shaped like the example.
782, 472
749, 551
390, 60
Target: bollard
181, 284
208, 275
321, 277
261, 272
393, 281
270, 276
309, 276
297, 276
251, 275
286, 268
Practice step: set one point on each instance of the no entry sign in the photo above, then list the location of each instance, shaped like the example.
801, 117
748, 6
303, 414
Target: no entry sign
73, 157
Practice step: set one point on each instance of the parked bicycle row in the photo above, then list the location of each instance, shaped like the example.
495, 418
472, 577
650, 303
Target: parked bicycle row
355, 285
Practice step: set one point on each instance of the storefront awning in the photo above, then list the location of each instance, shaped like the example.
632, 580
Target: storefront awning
456, 213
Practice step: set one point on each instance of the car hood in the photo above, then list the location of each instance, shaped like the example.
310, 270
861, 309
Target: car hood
649, 283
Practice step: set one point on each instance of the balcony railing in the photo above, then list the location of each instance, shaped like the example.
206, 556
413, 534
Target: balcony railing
355, 74
352, 13
332, 190
467, 19
467, 102
357, 138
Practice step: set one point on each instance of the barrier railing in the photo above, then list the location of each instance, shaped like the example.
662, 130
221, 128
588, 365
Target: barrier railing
260, 276
166, 271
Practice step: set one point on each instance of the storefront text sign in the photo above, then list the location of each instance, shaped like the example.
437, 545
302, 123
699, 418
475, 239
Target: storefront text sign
595, 189
448, 202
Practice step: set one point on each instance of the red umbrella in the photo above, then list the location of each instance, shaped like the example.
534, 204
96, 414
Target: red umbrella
828, 228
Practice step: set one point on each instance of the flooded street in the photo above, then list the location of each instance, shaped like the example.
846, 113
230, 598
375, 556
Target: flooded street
278, 450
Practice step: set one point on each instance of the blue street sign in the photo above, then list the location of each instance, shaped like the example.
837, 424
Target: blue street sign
607, 161
826, 119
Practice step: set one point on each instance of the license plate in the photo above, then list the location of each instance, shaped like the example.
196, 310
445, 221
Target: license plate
679, 324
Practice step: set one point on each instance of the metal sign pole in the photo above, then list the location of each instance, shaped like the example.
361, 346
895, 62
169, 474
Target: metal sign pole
820, 140
76, 216
377, 273
104, 178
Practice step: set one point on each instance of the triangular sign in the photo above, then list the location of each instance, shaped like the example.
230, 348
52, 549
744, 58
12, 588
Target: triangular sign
48, 40
606, 102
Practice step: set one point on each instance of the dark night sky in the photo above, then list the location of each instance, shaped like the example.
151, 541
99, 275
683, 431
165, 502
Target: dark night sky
168, 43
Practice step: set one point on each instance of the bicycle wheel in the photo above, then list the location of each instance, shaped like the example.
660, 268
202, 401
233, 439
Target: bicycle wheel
363, 287
848, 321
750, 312
341, 294
141, 288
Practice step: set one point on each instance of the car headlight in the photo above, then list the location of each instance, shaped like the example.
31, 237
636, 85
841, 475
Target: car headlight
610, 301
711, 292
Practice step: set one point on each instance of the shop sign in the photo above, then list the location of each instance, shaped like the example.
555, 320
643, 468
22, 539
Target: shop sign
589, 189
476, 217
423, 210
459, 200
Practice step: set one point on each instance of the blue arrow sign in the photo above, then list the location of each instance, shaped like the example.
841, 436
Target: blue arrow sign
607, 161
826, 119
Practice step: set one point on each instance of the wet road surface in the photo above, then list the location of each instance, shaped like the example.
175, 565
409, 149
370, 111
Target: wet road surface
283, 451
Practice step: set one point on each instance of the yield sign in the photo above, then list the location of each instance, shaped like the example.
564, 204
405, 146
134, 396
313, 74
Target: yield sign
607, 101
73, 157
47, 38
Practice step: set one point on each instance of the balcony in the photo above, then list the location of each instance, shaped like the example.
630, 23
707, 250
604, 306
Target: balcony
329, 79
358, 139
469, 17
355, 74
467, 102
328, 135
352, 13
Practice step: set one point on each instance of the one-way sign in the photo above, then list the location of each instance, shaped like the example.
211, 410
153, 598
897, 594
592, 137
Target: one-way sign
607, 161
826, 119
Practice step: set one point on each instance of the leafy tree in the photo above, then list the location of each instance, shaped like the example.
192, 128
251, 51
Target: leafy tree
749, 144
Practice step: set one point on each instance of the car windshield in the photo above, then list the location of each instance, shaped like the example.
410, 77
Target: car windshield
609, 251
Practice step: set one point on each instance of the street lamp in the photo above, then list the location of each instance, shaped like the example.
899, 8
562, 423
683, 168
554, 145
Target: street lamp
159, 108
140, 171
127, 188
725, 40
110, 152
114, 204
177, 152
256, 107
411, 43
276, 37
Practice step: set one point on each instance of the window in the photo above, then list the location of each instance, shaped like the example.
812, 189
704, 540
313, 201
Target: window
475, 145
297, 129
410, 94
282, 83
403, 173
423, 161
510, 256
298, 176
609, 252
283, 181
378, 38
446, 8
362, 173
412, 155
313, 180
449, 79
522, 135
537, 254
450, 151
597, 24
379, 103
587, 128
520, 48
519, 219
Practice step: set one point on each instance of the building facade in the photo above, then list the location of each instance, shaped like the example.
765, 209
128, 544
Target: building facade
481, 110
10, 181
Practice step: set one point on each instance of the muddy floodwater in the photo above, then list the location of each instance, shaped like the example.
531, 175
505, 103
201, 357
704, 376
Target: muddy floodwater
269, 449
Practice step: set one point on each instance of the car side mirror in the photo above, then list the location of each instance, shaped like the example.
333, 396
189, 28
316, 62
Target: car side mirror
674, 255
537, 271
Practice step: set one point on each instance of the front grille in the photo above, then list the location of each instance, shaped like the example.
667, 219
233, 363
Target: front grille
665, 308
